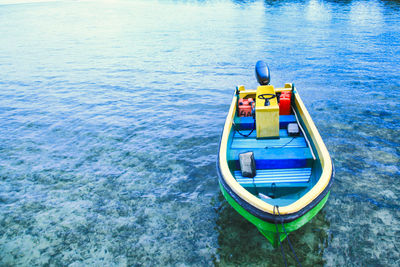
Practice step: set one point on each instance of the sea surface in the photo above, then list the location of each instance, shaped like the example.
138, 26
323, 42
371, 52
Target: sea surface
111, 113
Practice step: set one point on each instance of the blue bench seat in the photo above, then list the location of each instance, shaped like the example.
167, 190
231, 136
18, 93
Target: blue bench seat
274, 158
250, 143
282, 133
294, 177
247, 123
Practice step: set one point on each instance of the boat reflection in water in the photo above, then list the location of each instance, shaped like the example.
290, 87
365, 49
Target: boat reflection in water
239, 241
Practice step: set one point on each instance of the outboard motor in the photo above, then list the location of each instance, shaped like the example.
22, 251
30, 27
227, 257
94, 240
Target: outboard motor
262, 73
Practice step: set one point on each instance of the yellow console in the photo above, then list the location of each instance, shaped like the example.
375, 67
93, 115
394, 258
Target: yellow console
267, 112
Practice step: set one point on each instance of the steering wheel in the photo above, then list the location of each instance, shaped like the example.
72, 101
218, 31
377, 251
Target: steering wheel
266, 97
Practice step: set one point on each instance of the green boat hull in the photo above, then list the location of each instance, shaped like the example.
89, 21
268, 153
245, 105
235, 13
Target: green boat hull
269, 229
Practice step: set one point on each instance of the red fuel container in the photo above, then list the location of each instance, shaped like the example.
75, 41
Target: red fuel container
284, 103
245, 106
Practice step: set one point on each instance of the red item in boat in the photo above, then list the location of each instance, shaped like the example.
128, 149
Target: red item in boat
245, 107
284, 103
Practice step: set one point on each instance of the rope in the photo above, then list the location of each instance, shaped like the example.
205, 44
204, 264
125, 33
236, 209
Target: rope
287, 237
279, 238
244, 135
283, 145
237, 93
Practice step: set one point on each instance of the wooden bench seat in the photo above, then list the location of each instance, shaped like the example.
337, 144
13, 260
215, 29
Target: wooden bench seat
250, 143
274, 158
247, 123
294, 177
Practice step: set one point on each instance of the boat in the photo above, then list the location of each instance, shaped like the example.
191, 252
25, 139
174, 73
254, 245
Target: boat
273, 166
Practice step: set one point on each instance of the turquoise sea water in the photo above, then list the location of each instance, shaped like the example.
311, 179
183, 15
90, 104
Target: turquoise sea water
111, 112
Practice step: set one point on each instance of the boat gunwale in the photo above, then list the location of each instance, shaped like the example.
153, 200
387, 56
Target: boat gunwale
257, 206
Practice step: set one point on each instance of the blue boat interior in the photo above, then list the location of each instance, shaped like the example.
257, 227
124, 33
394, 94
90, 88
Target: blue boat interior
285, 167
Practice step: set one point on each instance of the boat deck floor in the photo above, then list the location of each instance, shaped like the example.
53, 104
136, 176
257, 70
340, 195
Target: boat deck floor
283, 164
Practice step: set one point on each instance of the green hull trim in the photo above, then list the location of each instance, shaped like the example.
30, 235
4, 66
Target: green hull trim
269, 229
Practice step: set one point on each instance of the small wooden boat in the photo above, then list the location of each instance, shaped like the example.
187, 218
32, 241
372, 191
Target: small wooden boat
273, 166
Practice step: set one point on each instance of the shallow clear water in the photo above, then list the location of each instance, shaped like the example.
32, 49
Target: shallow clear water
111, 111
